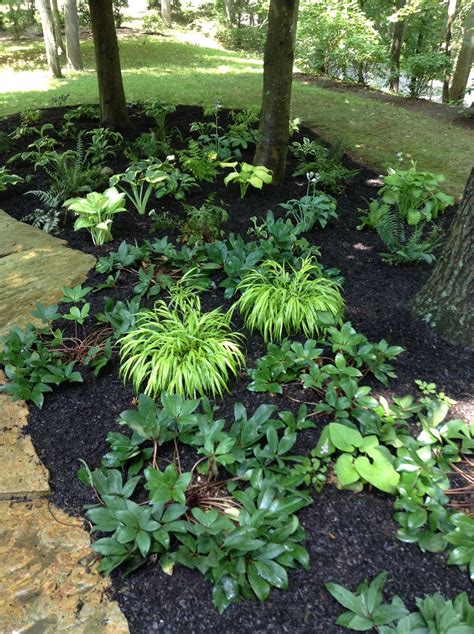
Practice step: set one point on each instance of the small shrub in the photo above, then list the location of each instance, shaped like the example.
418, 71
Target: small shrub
279, 300
179, 349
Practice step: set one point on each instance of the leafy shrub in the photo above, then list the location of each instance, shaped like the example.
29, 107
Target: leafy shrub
241, 533
179, 349
255, 175
96, 212
152, 22
204, 222
33, 364
368, 612
279, 300
7, 179
422, 68
335, 38
243, 38
407, 203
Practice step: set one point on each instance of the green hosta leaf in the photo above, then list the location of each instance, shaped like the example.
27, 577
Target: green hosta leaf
380, 473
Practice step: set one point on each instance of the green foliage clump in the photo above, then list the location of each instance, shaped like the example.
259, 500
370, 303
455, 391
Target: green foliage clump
204, 222
368, 612
231, 516
279, 300
177, 348
7, 179
96, 211
255, 175
404, 214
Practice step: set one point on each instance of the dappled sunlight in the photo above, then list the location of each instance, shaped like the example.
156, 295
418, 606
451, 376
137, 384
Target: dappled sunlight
27, 80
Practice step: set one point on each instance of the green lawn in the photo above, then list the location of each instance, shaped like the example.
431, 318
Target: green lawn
184, 73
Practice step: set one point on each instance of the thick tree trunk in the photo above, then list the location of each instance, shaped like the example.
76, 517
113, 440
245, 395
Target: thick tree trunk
47, 24
58, 36
396, 49
73, 45
272, 146
447, 300
465, 60
166, 12
111, 93
447, 44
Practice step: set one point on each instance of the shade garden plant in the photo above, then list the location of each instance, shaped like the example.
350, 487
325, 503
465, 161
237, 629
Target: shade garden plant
227, 391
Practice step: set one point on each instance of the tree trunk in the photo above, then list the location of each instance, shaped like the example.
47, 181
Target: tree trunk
396, 49
166, 12
229, 11
272, 146
447, 300
447, 44
47, 25
465, 60
73, 45
111, 93
418, 49
58, 36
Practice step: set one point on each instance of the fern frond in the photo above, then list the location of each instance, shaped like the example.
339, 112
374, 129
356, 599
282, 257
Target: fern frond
391, 230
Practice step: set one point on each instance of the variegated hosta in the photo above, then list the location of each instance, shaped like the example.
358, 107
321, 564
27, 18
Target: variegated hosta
179, 349
96, 211
280, 300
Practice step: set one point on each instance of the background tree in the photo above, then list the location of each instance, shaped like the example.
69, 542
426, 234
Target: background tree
58, 36
447, 43
73, 45
447, 300
111, 93
166, 12
51, 47
465, 58
272, 146
396, 46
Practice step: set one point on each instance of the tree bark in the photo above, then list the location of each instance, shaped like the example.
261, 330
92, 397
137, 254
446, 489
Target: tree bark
464, 61
229, 11
396, 49
58, 36
446, 302
166, 12
47, 24
272, 146
111, 93
73, 45
447, 45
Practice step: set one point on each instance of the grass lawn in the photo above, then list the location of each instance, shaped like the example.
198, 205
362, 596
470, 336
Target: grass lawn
186, 73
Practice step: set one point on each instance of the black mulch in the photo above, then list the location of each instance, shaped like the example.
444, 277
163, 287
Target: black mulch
349, 536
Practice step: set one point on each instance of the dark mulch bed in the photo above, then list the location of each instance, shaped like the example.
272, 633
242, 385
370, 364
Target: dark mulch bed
349, 536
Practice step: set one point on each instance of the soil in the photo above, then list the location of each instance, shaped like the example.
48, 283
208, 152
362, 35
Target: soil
349, 536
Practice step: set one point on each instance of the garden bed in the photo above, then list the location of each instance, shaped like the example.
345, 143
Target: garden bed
349, 536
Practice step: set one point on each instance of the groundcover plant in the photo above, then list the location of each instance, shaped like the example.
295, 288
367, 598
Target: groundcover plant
217, 484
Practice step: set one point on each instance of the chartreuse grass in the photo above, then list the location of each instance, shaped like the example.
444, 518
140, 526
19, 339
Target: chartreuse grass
176, 348
280, 300
185, 73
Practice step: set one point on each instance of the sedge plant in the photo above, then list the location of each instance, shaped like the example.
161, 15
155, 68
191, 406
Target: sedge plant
280, 300
177, 348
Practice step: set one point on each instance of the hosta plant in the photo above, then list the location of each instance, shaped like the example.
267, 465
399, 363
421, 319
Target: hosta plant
7, 179
279, 300
255, 175
139, 181
96, 211
180, 349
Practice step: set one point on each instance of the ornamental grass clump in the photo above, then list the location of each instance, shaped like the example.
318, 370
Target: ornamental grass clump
179, 349
280, 300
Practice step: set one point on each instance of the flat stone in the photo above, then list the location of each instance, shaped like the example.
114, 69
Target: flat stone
48, 577
21, 471
33, 268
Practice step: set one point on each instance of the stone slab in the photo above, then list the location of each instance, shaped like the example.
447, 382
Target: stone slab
33, 268
48, 577
21, 471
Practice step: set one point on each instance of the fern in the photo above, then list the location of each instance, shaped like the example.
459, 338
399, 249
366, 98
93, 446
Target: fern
48, 218
391, 230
